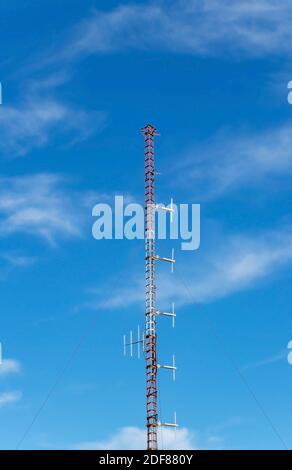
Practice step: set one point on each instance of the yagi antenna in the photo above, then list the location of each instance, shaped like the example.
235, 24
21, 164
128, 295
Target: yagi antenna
167, 260
172, 368
173, 425
166, 208
172, 259
170, 425
131, 343
168, 314
173, 316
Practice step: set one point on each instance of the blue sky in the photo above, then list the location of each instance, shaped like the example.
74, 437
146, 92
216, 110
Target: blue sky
79, 80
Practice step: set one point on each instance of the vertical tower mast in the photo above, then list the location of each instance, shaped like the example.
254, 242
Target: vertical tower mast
150, 285
149, 337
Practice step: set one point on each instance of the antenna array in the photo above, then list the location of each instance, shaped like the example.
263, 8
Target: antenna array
148, 340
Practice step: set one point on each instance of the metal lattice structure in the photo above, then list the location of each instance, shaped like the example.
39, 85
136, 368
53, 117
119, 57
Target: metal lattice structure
149, 336
150, 287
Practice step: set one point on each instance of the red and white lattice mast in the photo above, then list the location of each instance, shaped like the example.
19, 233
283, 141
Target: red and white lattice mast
149, 337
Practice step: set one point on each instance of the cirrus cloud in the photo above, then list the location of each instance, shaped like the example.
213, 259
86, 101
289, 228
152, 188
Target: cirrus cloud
7, 398
204, 27
9, 366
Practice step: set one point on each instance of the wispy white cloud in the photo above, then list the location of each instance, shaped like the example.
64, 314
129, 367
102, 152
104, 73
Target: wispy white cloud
122, 295
11, 260
42, 205
243, 159
235, 263
280, 356
241, 262
9, 366
7, 398
39, 117
17, 260
194, 26
130, 438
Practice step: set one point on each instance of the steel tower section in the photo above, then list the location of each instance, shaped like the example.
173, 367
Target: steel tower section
149, 133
